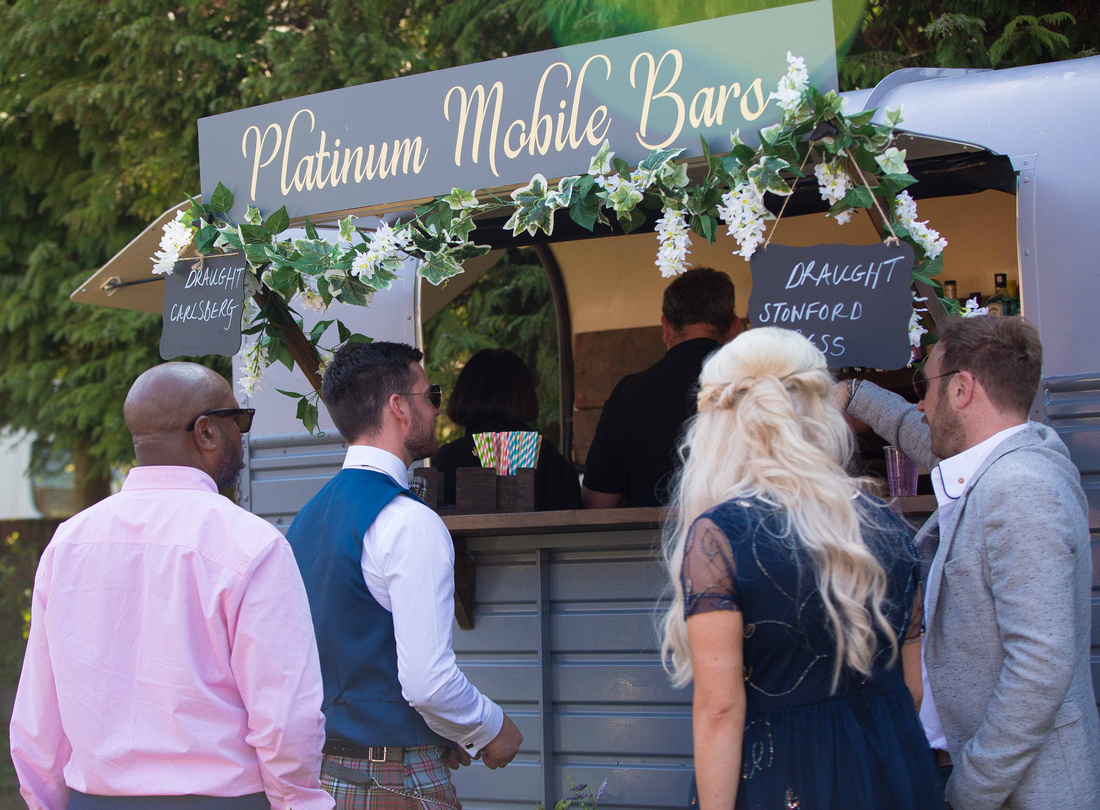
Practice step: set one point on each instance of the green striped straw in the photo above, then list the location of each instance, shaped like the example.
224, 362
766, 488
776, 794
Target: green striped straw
483, 443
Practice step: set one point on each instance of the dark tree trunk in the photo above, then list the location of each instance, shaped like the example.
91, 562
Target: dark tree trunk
91, 479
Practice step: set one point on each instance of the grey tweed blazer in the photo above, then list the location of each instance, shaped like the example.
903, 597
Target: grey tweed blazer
1008, 622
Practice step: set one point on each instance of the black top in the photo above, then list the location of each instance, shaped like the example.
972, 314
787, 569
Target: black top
556, 482
633, 451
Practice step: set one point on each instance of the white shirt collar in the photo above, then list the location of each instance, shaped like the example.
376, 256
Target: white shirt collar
950, 477
363, 456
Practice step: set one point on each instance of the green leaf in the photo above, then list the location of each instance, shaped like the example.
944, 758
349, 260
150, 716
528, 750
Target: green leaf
253, 216
657, 157
309, 419
705, 225
355, 337
631, 220
891, 184
311, 232
535, 205
300, 415
892, 161
469, 251
859, 197
318, 330
222, 199
585, 206
438, 267
230, 235
764, 176
254, 234
290, 394
425, 240
204, 239
278, 222
343, 332
461, 227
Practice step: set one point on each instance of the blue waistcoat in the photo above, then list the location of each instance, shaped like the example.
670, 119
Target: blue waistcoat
355, 640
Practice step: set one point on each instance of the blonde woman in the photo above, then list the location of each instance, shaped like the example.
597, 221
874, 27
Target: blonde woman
797, 603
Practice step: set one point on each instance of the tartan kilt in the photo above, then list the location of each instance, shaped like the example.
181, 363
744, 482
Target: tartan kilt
422, 771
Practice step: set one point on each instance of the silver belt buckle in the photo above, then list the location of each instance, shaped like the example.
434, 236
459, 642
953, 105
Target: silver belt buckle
378, 759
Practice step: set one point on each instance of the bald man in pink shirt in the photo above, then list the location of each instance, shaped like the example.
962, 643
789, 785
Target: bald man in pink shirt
171, 663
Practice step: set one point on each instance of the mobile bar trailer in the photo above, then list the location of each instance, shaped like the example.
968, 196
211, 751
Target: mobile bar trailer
562, 617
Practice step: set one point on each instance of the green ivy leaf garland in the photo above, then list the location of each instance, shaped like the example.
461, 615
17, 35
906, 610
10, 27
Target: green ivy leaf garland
851, 157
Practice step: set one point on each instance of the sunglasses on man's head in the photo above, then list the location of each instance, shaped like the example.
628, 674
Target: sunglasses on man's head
434, 395
242, 416
920, 381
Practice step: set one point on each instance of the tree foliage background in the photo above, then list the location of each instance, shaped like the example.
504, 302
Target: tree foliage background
98, 104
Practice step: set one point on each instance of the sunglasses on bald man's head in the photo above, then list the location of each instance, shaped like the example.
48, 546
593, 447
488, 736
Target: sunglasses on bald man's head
242, 416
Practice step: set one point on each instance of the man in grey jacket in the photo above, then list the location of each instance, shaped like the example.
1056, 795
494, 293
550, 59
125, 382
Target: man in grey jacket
1008, 700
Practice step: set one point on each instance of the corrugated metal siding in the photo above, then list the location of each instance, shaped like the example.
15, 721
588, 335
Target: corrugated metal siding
581, 677
1073, 409
283, 472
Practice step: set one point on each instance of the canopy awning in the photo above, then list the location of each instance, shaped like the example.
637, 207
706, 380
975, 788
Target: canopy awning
127, 280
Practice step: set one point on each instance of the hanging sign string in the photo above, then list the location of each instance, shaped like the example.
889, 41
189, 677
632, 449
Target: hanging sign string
786, 199
893, 237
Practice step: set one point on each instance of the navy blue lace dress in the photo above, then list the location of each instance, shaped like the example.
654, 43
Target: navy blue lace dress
805, 747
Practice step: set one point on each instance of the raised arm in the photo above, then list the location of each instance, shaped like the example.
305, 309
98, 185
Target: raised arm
893, 418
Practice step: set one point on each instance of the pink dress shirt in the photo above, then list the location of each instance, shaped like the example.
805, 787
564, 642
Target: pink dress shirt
171, 652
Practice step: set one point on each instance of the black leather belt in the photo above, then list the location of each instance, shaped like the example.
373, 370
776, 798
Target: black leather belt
342, 748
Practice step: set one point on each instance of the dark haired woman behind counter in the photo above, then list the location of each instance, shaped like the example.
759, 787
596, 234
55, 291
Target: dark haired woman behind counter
495, 392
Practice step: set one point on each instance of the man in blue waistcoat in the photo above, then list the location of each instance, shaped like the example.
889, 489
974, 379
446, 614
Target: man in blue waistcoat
378, 566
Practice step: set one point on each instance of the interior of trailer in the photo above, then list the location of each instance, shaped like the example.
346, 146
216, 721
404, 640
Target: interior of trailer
608, 288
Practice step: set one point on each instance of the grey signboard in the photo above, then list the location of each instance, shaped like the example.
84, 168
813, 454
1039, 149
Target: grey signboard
851, 301
202, 307
498, 123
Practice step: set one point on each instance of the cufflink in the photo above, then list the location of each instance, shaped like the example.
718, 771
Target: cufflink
469, 745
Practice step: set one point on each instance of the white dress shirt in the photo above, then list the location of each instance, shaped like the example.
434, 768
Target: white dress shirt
408, 565
949, 480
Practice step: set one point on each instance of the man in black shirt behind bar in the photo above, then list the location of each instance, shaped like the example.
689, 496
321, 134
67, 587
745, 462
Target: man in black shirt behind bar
633, 453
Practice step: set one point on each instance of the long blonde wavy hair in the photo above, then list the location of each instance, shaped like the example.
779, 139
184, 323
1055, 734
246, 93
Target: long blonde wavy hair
766, 428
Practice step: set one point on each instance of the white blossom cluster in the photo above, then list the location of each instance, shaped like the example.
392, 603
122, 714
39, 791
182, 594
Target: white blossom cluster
384, 246
789, 93
177, 236
972, 310
916, 328
253, 361
833, 183
312, 300
929, 240
308, 297
743, 211
674, 240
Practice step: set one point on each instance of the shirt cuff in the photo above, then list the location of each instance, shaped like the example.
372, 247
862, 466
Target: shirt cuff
484, 734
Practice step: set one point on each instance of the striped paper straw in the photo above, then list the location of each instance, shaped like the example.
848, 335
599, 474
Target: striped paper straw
483, 444
529, 443
500, 446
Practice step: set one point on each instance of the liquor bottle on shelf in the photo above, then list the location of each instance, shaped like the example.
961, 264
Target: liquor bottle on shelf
951, 291
1002, 303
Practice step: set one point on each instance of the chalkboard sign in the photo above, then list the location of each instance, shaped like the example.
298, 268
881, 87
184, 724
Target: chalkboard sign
202, 307
852, 301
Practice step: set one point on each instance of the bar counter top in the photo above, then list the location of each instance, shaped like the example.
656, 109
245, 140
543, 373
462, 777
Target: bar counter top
596, 520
